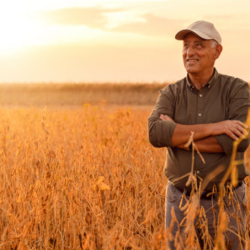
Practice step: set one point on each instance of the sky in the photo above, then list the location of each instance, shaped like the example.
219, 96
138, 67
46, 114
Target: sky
114, 41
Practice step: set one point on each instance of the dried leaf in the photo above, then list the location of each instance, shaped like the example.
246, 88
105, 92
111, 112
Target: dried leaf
197, 150
234, 176
100, 180
190, 140
94, 188
189, 181
104, 186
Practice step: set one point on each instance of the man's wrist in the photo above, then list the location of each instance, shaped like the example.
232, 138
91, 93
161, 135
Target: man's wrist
209, 128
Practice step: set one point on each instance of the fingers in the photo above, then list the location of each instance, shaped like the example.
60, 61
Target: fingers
166, 118
237, 130
241, 132
233, 128
232, 135
241, 129
163, 117
242, 124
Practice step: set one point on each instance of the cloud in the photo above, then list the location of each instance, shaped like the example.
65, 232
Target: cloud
97, 18
93, 17
153, 25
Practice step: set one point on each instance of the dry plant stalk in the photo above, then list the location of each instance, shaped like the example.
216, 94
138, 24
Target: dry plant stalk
73, 178
196, 214
86, 178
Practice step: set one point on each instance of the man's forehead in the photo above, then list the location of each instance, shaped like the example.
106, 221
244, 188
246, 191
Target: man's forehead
191, 36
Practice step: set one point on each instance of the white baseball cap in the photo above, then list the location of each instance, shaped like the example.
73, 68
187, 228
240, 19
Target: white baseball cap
203, 29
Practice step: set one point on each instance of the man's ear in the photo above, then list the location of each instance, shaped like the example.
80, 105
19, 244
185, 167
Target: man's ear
218, 51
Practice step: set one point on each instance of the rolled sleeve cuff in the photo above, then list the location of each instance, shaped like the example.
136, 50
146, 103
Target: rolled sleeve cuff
167, 132
227, 144
161, 133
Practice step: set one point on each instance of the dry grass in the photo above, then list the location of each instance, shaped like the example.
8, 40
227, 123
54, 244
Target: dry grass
83, 178
78, 94
80, 178
73, 94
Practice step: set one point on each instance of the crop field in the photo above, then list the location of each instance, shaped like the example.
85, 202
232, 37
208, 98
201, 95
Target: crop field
80, 177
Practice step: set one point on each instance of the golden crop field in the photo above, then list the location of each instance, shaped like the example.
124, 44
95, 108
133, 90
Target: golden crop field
81, 177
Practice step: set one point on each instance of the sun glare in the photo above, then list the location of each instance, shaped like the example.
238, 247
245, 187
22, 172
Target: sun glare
22, 27
16, 31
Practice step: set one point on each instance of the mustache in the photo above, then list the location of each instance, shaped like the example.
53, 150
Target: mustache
191, 58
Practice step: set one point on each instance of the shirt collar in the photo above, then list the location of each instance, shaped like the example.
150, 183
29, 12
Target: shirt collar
209, 83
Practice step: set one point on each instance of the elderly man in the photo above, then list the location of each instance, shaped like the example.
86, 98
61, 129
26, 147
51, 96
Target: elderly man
212, 106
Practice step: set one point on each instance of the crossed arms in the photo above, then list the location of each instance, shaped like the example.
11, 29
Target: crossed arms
214, 137
204, 134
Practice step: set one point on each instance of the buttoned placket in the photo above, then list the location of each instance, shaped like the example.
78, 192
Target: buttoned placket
200, 114
200, 105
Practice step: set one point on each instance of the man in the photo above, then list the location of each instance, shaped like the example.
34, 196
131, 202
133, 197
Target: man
212, 106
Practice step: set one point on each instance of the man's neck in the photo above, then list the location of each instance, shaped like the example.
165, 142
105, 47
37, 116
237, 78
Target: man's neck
199, 80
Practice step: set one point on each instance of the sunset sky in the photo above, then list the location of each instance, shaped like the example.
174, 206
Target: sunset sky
117, 41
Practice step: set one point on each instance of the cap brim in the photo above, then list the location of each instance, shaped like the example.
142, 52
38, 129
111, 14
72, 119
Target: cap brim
181, 34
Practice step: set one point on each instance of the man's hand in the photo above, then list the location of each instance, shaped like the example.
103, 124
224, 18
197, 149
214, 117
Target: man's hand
166, 118
210, 144
233, 128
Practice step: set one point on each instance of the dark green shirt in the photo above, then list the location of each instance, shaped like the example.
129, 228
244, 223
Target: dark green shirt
222, 98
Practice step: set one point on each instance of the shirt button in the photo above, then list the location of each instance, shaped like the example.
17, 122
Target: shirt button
200, 95
199, 114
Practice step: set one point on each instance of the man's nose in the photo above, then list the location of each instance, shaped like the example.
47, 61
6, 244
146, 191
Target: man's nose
190, 51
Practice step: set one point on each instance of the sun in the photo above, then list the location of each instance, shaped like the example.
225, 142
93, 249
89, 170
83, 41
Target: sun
18, 29
22, 27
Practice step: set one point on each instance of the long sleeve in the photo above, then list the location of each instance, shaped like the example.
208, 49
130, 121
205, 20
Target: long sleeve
239, 103
160, 132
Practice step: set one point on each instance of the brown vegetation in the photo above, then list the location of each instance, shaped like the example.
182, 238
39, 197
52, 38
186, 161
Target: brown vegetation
82, 177
77, 94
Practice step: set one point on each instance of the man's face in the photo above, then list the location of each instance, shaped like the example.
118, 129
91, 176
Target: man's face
198, 54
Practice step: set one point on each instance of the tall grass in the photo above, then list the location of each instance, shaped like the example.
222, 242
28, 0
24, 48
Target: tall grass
80, 178
83, 178
78, 94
